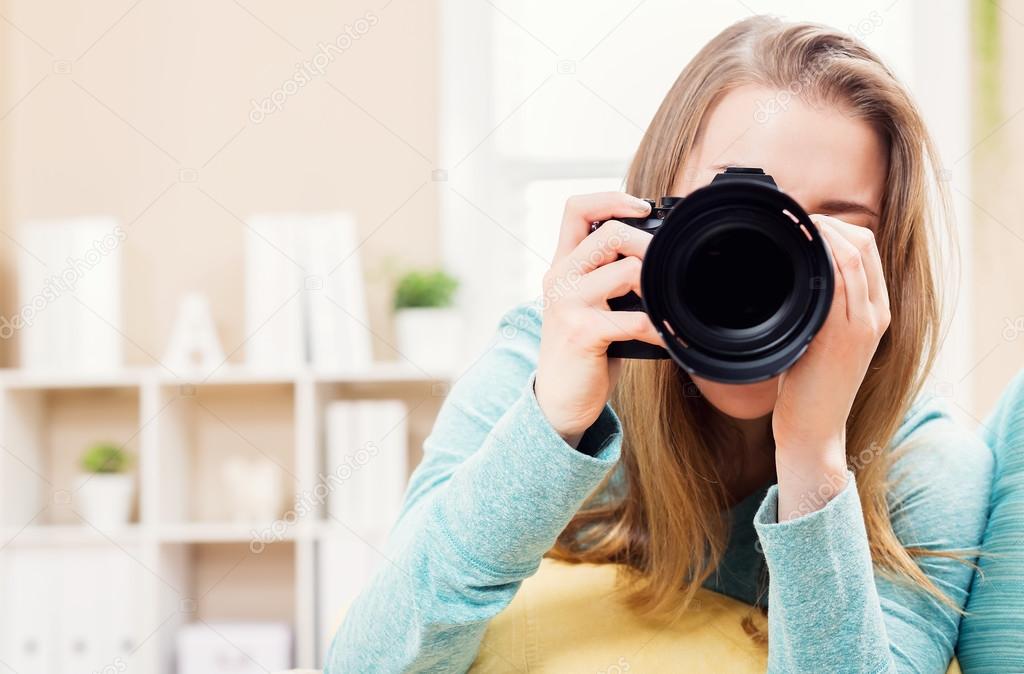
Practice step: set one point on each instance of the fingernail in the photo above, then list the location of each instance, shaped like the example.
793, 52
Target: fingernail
640, 204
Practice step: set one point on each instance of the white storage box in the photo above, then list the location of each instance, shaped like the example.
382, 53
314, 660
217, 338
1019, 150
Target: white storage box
234, 648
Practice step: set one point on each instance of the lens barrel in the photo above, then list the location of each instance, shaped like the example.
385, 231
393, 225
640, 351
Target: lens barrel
737, 279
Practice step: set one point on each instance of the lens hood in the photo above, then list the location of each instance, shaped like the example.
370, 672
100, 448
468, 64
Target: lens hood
737, 280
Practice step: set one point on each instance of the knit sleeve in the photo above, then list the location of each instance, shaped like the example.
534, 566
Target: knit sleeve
831, 609
496, 486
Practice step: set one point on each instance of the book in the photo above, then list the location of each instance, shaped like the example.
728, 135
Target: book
274, 277
340, 337
305, 297
68, 316
366, 462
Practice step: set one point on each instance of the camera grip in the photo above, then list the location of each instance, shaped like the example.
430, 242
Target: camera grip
634, 348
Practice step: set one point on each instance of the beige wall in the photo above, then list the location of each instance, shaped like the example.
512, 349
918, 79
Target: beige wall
104, 110
109, 111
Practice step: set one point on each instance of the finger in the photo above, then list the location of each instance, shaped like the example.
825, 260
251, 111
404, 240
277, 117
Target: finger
611, 280
864, 239
850, 270
584, 209
611, 239
621, 326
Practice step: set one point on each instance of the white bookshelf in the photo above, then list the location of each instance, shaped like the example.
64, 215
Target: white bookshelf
189, 567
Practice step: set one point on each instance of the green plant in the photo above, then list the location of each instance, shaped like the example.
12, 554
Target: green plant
425, 288
105, 458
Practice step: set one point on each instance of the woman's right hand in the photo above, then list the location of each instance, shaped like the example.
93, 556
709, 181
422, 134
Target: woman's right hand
575, 377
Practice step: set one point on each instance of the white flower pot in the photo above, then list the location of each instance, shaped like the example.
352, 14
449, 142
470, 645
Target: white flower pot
429, 338
105, 499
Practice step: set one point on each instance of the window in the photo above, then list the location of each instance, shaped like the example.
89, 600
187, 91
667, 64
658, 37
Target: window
564, 91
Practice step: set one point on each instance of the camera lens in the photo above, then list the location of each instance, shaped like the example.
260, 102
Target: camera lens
737, 280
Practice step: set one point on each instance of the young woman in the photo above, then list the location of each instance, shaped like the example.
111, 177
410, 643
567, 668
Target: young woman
789, 493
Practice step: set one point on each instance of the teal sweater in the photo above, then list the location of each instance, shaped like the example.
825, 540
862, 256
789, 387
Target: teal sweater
497, 485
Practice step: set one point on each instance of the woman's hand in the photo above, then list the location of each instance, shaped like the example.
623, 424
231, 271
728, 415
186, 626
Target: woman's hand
817, 393
575, 377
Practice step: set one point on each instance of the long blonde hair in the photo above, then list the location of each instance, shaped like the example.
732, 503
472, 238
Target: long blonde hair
665, 521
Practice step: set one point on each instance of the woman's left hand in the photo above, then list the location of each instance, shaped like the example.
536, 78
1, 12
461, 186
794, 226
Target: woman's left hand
817, 393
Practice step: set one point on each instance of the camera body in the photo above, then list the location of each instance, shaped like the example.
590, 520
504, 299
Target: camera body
737, 280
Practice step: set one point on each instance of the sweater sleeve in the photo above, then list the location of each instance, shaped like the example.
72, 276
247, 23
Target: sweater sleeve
830, 609
496, 486
993, 631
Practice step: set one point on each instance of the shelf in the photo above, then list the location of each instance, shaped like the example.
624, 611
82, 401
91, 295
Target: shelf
184, 533
68, 534
231, 582
231, 532
229, 376
44, 433
192, 560
381, 372
218, 447
31, 379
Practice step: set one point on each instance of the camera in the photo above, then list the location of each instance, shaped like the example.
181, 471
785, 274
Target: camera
736, 279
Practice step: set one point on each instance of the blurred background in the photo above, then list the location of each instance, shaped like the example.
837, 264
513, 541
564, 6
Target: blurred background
247, 246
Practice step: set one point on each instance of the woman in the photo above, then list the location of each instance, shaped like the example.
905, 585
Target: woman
789, 493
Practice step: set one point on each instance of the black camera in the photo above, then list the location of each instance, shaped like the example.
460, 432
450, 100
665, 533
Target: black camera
737, 279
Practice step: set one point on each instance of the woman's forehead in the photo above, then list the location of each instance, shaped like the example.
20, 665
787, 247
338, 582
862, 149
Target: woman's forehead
816, 152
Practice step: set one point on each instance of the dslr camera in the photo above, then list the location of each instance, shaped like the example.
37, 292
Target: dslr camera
737, 279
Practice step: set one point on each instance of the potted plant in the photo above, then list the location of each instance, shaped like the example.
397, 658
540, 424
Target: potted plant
104, 492
427, 326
